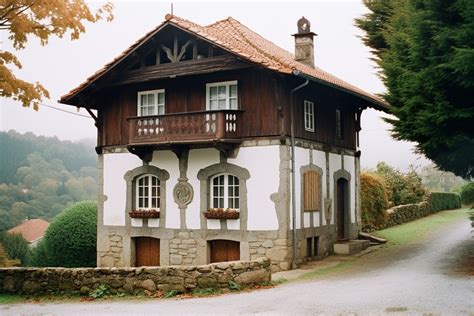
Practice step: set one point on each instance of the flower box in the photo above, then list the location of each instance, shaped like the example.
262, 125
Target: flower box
141, 213
221, 213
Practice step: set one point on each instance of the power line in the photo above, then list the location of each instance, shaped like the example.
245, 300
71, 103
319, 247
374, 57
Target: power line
58, 109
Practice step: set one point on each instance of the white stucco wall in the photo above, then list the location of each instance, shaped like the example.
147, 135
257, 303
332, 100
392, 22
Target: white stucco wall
198, 159
115, 187
302, 158
167, 160
262, 162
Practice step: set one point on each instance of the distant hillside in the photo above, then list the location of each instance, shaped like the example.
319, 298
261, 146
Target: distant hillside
16, 147
40, 176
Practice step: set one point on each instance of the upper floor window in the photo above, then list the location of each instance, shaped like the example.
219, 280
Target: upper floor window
148, 192
309, 116
225, 191
339, 125
151, 102
222, 96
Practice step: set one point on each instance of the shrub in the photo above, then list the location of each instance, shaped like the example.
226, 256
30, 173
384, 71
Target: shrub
5, 261
439, 201
39, 255
70, 240
374, 201
401, 188
16, 247
467, 194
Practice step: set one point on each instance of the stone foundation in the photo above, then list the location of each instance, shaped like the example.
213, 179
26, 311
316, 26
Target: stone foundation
133, 280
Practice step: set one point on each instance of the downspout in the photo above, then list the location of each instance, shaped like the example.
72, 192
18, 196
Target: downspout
293, 177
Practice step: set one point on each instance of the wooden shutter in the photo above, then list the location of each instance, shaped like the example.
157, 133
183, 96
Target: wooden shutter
311, 191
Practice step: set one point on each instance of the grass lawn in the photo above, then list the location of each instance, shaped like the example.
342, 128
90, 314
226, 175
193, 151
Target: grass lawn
398, 236
412, 231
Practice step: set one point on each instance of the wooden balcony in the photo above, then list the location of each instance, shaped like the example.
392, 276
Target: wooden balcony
186, 128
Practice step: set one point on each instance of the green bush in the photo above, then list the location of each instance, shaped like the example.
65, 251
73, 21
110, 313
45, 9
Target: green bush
70, 240
374, 201
401, 188
39, 256
439, 201
467, 194
16, 247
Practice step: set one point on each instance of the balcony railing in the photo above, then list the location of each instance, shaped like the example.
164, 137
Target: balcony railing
189, 127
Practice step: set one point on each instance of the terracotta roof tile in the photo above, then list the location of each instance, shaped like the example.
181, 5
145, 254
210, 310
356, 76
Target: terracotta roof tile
31, 230
236, 38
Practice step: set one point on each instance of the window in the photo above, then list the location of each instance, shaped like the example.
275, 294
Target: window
225, 191
148, 192
339, 125
311, 191
309, 116
222, 96
151, 102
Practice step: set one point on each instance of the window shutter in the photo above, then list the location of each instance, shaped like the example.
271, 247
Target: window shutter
312, 191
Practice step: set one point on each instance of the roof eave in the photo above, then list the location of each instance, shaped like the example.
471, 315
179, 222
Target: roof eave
373, 103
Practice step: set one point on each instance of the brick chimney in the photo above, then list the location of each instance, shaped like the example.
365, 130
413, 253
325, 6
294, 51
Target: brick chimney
304, 47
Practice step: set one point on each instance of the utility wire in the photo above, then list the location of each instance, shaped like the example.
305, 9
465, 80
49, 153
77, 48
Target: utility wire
58, 109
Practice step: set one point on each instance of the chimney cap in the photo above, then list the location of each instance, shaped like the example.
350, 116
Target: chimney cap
304, 27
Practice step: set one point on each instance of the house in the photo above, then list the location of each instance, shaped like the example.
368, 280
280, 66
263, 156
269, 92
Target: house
31, 230
438, 180
199, 130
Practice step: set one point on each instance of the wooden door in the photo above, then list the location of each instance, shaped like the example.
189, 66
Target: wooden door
341, 208
224, 250
147, 251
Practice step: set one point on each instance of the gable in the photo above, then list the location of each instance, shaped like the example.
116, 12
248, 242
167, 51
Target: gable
227, 36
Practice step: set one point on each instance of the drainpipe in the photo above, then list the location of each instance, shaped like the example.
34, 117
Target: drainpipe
293, 178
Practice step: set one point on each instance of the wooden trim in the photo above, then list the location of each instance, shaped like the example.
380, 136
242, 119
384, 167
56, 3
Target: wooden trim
182, 68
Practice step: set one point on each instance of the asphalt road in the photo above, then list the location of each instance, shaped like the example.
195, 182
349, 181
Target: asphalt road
419, 279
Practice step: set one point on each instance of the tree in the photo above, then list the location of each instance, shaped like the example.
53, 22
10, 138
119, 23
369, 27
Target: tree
374, 202
16, 247
42, 19
70, 240
425, 52
467, 194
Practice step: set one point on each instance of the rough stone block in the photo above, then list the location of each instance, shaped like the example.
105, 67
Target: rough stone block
253, 277
267, 244
276, 254
183, 235
261, 251
148, 285
189, 241
176, 259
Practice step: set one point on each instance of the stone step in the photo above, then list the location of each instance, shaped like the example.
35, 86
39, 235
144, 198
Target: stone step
372, 238
350, 247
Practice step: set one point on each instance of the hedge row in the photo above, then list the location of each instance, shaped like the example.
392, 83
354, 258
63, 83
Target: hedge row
437, 201
444, 201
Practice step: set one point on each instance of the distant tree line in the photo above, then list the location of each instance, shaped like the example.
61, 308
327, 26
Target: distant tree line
41, 176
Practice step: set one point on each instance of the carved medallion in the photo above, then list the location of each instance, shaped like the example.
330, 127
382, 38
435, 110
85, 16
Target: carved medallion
183, 194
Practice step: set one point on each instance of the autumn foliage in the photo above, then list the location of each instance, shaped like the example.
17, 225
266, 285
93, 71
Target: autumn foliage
374, 201
26, 19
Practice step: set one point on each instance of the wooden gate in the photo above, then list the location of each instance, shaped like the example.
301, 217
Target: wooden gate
147, 251
224, 250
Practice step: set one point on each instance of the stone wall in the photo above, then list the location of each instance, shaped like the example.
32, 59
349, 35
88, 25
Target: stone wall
406, 213
276, 250
133, 280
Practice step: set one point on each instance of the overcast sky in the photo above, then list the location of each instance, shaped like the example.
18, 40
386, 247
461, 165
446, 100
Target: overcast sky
63, 64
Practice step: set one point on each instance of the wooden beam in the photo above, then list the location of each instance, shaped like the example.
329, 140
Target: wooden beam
183, 68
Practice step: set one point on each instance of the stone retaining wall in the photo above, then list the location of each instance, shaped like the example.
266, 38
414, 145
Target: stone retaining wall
133, 280
407, 213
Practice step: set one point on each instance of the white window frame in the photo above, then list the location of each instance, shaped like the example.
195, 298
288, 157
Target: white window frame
150, 191
226, 190
309, 116
156, 105
227, 85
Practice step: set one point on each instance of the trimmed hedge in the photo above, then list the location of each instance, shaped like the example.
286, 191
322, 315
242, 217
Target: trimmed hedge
374, 202
439, 201
467, 194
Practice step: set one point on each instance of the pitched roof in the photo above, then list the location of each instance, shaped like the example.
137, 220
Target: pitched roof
31, 230
233, 36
